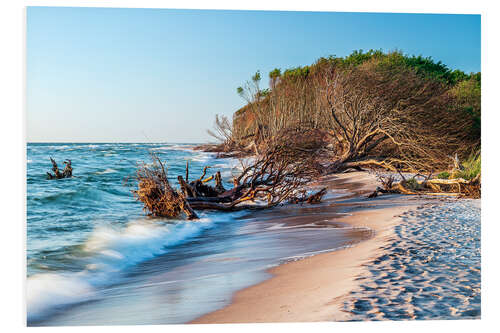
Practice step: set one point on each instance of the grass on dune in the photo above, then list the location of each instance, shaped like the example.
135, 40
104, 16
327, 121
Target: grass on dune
472, 166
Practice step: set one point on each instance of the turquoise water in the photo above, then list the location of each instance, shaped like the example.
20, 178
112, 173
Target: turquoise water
64, 213
94, 257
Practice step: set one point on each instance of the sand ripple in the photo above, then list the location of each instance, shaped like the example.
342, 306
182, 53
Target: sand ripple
430, 270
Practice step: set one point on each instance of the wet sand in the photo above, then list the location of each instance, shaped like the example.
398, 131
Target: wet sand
423, 262
232, 253
316, 288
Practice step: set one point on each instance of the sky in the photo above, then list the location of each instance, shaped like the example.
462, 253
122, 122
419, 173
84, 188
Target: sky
160, 75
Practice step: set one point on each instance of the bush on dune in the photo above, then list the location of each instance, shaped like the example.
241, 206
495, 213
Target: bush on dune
382, 109
471, 167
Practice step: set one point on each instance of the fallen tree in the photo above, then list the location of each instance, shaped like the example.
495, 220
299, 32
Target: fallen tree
279, 174
458, 187
462, 180
66, 173
156, 193
388, 116
313, 198
375, 110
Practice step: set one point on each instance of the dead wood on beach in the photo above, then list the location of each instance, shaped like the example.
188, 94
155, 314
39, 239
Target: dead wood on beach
277, 175
457, 187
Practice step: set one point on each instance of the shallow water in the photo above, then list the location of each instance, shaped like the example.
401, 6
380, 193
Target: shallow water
94, 258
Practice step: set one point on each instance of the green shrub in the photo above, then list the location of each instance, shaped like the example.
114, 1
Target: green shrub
412, 183
443, 175
472, 166
296, 72
467, 95
423, 66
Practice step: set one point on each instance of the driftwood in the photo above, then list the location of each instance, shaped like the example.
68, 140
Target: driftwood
66, 173
157, 195
270, 179
313, 198
218, 183
458, 187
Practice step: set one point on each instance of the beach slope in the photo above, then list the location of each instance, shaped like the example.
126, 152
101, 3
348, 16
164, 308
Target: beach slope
315, 288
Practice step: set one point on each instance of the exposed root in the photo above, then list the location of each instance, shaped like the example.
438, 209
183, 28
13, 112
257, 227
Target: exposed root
313, 198
157, 195
272, 178
368, 164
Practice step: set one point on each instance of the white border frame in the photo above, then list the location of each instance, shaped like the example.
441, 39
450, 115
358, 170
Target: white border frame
13, 152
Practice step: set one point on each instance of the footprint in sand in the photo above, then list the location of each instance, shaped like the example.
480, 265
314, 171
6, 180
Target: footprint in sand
431, 270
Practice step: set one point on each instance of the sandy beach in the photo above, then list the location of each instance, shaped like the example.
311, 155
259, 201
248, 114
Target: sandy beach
431, 269
324, 287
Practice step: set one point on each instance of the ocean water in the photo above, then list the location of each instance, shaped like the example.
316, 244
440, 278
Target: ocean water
95, 258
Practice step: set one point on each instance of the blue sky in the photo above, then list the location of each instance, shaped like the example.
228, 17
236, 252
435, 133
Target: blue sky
159, 75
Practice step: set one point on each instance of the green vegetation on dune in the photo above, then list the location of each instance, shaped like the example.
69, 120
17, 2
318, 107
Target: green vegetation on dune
471, 167
443, 175
391, 110
467, 94
424, 66
465, 88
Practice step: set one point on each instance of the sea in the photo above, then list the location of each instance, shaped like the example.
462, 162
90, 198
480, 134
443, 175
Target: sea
94, 256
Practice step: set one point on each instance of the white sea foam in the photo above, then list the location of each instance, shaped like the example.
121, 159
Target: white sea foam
282, 226
46, 292
116, 249
111, 250
175, 147
64, 147
312, 253
202, 157
109, 170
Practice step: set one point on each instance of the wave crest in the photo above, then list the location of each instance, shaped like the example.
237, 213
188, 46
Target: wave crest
108, 251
